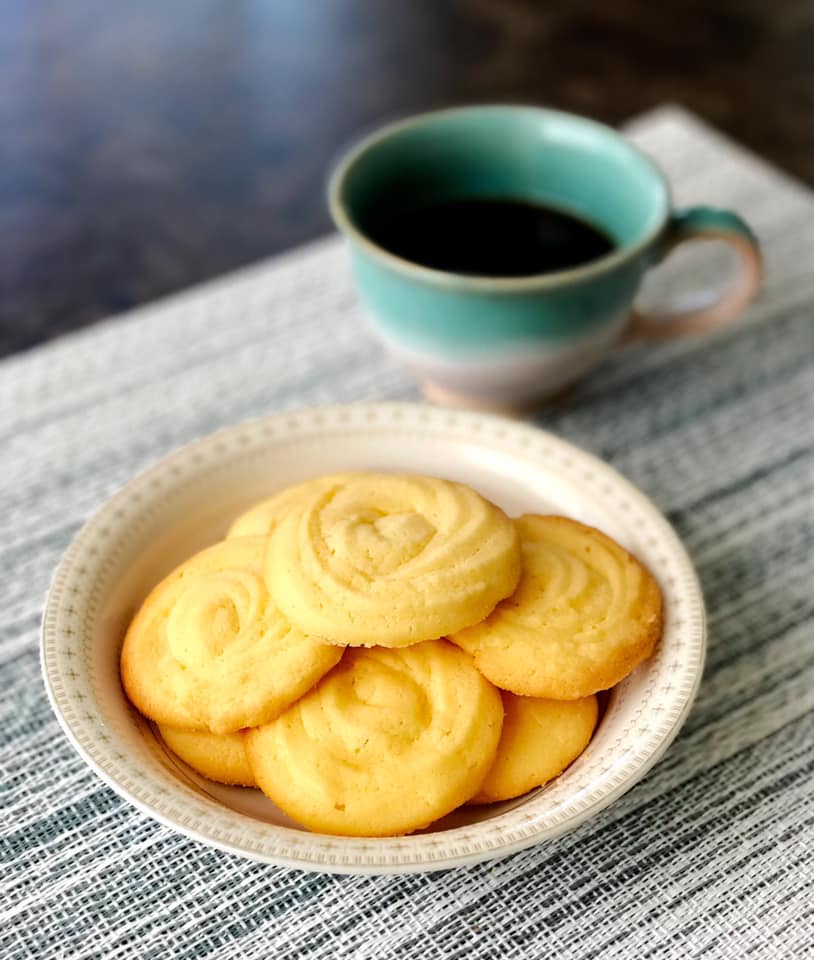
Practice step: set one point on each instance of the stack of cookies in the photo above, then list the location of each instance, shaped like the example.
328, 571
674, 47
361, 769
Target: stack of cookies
374, 650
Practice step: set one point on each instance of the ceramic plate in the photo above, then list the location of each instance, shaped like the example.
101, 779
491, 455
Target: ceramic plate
187, 501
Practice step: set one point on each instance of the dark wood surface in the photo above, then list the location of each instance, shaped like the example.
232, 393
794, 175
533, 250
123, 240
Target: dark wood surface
146, 145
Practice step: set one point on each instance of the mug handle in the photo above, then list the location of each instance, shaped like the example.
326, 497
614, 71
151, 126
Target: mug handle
704, 223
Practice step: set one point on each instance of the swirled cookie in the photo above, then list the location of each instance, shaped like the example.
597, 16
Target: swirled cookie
209, 650
218, 756
388, 742
263, 517
391, 560
584, 614
540, 739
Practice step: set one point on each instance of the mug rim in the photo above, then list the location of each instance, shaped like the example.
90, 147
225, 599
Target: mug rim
447, 278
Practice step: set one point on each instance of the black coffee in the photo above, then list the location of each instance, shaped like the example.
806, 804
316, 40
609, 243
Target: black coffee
490, 236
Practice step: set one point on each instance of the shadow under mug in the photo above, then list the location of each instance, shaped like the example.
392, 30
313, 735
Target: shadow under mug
509, 342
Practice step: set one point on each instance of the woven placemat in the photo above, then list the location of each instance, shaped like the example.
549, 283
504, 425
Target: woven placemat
712, 855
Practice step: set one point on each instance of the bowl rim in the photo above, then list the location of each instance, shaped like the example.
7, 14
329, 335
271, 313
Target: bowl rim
326, 853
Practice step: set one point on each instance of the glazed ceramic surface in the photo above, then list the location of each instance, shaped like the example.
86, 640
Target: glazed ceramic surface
508, 341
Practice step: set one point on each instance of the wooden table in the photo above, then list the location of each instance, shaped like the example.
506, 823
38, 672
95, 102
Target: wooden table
147, 145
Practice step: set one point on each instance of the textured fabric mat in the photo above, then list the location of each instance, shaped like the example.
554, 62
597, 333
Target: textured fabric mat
712, 855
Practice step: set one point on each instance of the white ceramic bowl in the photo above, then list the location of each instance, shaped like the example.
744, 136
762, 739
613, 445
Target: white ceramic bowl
186, 502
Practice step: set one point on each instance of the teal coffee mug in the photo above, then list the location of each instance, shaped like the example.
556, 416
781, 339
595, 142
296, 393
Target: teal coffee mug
479, 338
